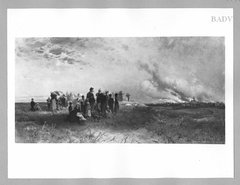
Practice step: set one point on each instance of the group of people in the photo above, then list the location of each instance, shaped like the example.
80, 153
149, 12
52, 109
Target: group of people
81, 107
102, 103
55, 101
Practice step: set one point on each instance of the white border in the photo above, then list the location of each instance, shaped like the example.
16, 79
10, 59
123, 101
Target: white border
119, 160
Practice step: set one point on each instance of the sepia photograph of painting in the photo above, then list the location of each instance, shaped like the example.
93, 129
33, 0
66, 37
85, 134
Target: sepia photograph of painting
167, 90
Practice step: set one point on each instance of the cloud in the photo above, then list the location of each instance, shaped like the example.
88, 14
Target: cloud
56, 50
149, 68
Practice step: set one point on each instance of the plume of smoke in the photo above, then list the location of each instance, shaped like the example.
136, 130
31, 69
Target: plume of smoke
158, 88
186, 67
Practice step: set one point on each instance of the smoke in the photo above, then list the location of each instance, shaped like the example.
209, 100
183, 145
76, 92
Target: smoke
185, 68
161, 85
157, 88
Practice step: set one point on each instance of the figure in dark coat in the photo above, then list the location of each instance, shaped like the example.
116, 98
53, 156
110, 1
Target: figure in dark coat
70, 108
90, 97
32, 105
116, 107
73, 114
110, 102
103, 103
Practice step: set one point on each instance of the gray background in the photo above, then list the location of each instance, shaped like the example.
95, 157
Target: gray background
5, 4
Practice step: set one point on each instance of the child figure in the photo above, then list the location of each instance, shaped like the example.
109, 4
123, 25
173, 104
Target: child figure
109, 113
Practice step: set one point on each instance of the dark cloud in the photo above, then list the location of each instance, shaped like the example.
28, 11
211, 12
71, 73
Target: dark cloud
35, 42
56, 51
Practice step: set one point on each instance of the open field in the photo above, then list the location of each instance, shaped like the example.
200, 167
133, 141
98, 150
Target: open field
133, 124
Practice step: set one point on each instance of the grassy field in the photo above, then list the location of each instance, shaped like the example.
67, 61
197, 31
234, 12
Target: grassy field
133, 124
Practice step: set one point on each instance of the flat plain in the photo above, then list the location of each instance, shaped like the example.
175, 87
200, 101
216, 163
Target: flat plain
133, 124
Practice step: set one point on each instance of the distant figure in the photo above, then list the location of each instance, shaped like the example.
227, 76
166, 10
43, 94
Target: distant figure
70, 108
90, 97
32, 104
49, 103
110, 102
120, 98
116, 107
128, 96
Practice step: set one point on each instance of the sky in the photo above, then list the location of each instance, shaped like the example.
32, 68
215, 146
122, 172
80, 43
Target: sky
151, 69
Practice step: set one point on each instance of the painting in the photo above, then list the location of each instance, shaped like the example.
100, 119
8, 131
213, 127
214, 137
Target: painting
143, 90
120, 93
